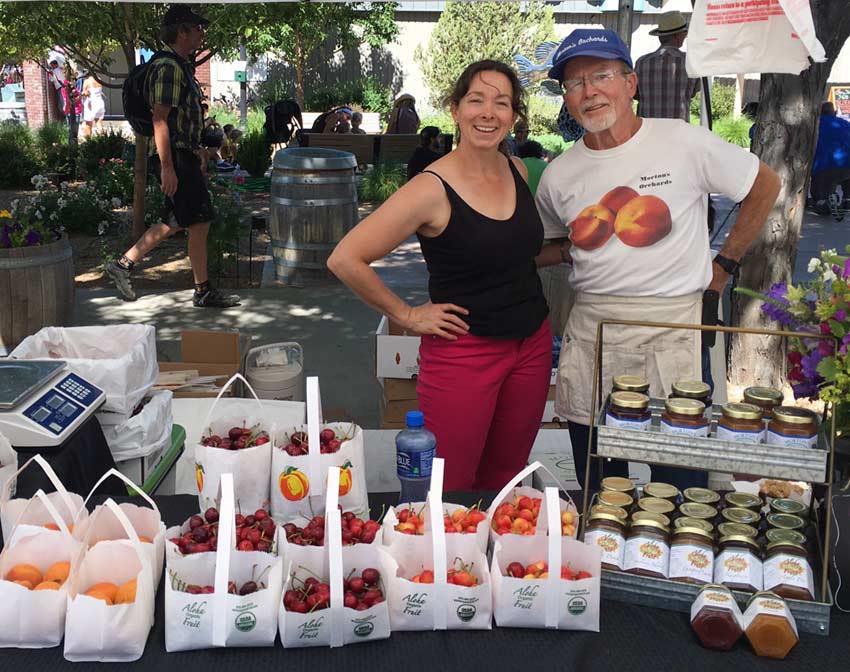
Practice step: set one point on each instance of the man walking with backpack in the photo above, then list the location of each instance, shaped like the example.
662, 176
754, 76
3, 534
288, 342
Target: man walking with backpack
176, 156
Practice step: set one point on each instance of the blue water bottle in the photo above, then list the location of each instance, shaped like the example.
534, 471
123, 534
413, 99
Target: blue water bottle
416, 448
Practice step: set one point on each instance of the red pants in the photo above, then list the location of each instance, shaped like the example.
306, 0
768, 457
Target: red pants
483, 398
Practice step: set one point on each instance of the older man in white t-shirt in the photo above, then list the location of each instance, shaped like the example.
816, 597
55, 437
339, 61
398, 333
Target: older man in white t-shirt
626, 206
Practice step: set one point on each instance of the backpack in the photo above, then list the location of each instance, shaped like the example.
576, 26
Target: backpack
137, 111
281, 121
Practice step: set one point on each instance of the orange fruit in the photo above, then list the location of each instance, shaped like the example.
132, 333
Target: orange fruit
145, 540
127, 593
54, 526
47, 585
23, 582
58, 572
105, 589
29, 573
99, 595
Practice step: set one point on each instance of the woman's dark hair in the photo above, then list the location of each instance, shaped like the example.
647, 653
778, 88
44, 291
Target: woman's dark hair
530, 149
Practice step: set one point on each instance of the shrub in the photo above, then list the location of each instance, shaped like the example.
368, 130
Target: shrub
154, 201
722, 101
107, 146
254, 153
441, 119
114, 181
382, 181
256, 117
79, 210
365, 92
543, 115
226, 228
553, 143
18, 156
734, 130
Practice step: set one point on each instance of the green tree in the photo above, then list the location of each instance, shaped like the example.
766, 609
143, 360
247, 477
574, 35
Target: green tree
471, 31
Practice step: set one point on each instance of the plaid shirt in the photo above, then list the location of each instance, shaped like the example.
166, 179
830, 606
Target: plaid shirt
170, 84
664, 87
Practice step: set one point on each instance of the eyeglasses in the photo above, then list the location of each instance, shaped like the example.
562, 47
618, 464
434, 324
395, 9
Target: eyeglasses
597, 80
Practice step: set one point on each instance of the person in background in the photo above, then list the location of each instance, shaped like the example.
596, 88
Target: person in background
343, 127
831, 165
533, 156
56, 75
486, 350
426, 153
751, 112
356, 120
519, 137
94, 106
403, 118
328, 121
72, 100
664, 88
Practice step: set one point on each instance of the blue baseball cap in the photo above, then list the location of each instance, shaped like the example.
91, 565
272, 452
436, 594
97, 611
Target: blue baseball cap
589, 42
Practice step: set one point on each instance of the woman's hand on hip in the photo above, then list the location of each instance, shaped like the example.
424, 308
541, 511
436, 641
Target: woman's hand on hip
438, 319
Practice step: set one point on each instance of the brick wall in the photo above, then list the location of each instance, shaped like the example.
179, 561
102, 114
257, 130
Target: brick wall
202, 74
36, 93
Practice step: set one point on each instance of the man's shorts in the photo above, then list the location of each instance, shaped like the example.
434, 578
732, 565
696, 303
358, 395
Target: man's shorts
191, 202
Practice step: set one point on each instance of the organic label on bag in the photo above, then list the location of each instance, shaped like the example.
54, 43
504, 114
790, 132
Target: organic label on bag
691, 561
789, 570
647, 554
618, 423
738, 567
613, 546
467, 608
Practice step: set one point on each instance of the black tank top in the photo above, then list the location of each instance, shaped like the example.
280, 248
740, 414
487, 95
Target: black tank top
487, 265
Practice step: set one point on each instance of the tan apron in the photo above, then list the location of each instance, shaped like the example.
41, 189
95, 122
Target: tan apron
662, 356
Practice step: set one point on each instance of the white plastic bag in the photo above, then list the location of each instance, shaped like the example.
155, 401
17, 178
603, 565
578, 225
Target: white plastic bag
219, 619
8, 464
730, 37
119, 359
143, 434
251, 467
391, 536
95, 630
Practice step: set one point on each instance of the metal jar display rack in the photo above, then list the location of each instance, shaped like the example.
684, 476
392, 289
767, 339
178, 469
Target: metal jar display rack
812, 465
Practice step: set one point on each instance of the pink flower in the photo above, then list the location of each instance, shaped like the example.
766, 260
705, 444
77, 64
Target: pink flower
825, 328
795, 375
795, 357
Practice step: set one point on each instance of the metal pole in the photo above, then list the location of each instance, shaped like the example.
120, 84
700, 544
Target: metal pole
624, 21
243, 92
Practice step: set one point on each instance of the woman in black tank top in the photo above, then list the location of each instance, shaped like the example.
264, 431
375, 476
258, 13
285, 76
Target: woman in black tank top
485, 356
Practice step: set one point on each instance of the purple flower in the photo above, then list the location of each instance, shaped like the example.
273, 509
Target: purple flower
32, 238
836, 269
810, 363
826, 348
847, 269
777, 293
842, 349
805, 389
841, 314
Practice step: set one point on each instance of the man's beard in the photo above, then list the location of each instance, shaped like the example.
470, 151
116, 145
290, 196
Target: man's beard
599, 122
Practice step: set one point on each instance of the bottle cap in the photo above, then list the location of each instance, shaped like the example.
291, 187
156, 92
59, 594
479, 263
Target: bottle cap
415, 419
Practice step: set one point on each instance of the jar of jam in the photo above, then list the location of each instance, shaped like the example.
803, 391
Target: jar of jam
740, 423
742, 500
684, 417
691, 556
614, 498
618, 484
791, 506
628, 410
737, 529
616, 511
647, 549
656, 505
608, 532
792, 536
739, 515
630, 383
697, 510
787, 571
692, 389
703, 525
716, 618
659, 518
766, 398
701, 496
661, 491
793, 427
738, 564
785, 521
769, 625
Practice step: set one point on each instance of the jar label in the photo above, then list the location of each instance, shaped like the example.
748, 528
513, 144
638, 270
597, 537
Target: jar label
740, 435
769, 606
621, 423
775, 438
667, 428
612, 545
718, 599
415, 464
733, 566
692, 562
790, 570
648, 554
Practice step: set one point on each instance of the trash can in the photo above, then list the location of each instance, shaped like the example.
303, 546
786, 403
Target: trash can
313, 205
276, 371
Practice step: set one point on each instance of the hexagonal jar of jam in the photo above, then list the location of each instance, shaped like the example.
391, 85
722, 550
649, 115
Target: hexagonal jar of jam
628, 410
769, 625
684, 417
740, 423
738, 564
793, 427
766, 398
787, 571
691, 556
692, 389
630, 383
716, 618
647, 549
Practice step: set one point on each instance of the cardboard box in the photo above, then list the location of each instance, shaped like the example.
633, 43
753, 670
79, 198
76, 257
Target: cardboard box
398, 389
210, 353
395, 412
396, 354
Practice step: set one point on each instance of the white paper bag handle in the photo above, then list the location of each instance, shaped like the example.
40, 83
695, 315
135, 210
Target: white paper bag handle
553, 583
333, 540
146, 580
127, 481
54, 514
226, 543
227, 385
516, 480
314, 424
52, 477
438, 546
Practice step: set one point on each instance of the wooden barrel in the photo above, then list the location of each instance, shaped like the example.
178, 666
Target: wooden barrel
313, 205
36, 290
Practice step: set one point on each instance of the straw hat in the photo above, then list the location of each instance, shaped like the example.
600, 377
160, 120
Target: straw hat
670, 23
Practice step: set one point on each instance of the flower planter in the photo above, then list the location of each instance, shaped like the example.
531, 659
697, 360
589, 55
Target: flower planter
36, 290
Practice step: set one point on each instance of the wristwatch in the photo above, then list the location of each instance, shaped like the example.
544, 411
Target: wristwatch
729, 265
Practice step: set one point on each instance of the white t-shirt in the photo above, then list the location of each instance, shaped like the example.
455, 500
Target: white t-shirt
637, 213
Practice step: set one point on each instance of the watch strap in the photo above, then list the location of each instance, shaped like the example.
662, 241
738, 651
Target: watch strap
729, 265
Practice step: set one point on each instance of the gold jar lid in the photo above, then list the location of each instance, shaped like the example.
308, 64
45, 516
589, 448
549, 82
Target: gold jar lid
738, 515
684, 406
615, 498
763, 394
691, 389
605, 509
692, 530
640, 517
662, 490
743, 500
617, 484
793, 415
647, 522
737, 530
742, 411
791, 506
769, 594
693, 522
656, 505
776, 544
701, 495
606, 516
740, 538
789, 536
785, 521
630, 400
629, 383
697, 510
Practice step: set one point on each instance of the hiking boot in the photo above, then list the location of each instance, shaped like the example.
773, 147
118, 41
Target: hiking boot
214, 298
121, 277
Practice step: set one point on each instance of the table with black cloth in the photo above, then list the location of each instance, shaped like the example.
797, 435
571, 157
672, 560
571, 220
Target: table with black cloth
630, 638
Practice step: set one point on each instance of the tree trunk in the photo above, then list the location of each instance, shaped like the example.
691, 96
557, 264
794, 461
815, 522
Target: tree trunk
299, 63
785, 139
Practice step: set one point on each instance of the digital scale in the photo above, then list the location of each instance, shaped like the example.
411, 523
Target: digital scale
43, 402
